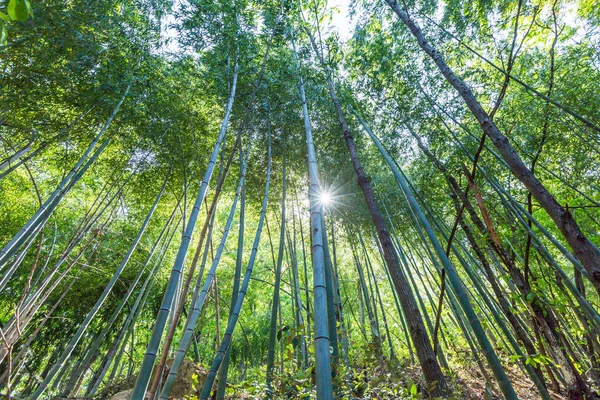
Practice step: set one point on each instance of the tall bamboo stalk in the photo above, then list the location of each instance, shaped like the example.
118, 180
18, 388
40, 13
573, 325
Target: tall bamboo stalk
233, 319
200, 296
321, 331
332, 321
276, 288
452, 275
431, 369
130, 322
108, 288
222, 382
167, 301
78, 373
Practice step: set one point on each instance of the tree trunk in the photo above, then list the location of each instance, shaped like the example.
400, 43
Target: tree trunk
276, 288
583, 249
321, 331
431, 369
233, 319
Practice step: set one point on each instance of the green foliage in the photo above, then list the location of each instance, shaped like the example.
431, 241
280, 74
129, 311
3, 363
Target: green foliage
15, 10
19, 10
64, 71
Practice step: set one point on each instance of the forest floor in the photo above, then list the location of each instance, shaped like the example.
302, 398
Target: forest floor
471, 383
468, 384
403, 383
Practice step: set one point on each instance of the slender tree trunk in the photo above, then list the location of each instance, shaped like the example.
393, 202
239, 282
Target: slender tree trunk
82, 328
321, 331
583, 249
431, 369
275, 303
233, 319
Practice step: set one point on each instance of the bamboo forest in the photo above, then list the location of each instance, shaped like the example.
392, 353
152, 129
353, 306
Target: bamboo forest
300, 199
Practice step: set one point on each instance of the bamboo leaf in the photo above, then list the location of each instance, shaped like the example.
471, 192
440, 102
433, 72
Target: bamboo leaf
19, 10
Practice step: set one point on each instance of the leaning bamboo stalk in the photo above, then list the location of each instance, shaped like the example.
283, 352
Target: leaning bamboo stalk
10, 166
20, 257
521, 214
297, 295
332, 321
14, 328
199, 297
338, 305
233, 319
305, 269
95, 345
366, 302
222, 382
161, 319
133, 315
90, 316
26, 346
243, 125
583, 248
456, 194
534, 374
44, 212
452, 275
34, 225
184, 289
393, 358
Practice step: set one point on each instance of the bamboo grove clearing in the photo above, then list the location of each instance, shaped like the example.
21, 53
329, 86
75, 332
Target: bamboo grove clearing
300, 199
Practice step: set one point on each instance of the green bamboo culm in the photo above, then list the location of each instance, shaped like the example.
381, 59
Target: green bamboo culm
321, 331
48, 207
143, 377
332, 322
93, 351
198, 298
276, 289
90, 316
225, 347
452, 275
224, 367
135, 310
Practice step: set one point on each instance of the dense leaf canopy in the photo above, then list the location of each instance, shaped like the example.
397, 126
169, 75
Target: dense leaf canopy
300, 199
